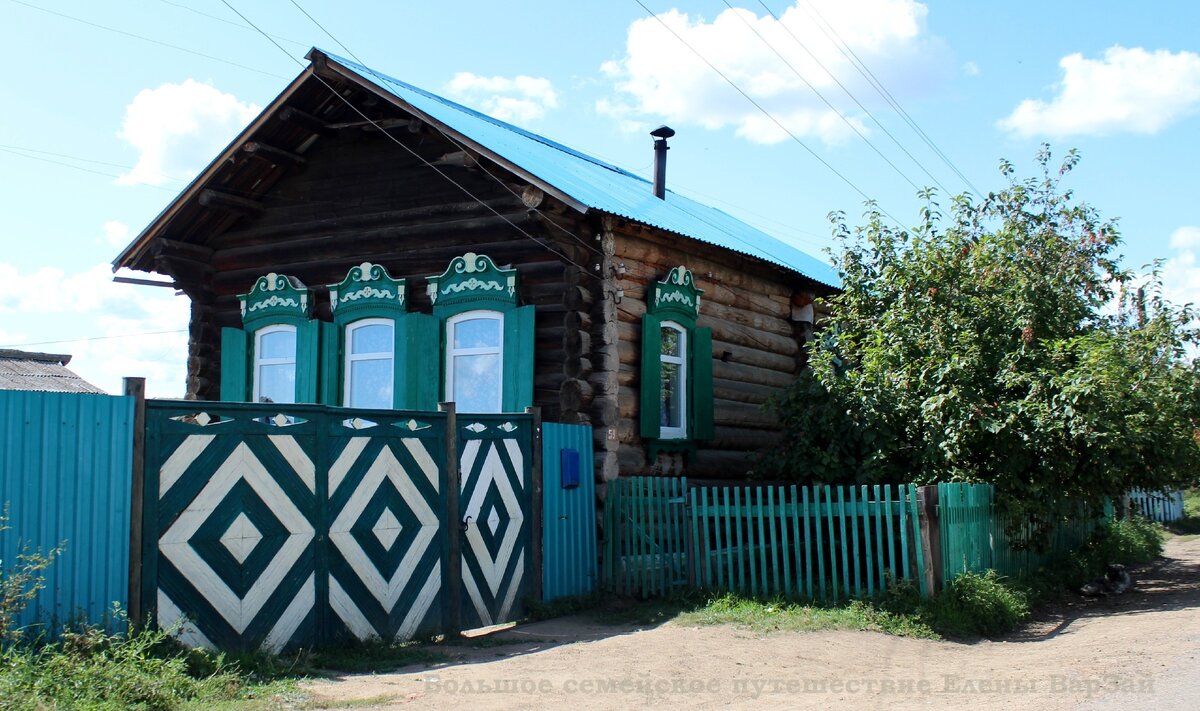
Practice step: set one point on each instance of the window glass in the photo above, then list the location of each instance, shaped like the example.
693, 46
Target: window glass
371, 338
673, 379
275, 365
477, 333
370, 366
474, 361
280, 343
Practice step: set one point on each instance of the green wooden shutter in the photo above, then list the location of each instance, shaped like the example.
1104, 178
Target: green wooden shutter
308, 360
702, 384
518, 360
651, 377
234, 358
330, 371
417, 381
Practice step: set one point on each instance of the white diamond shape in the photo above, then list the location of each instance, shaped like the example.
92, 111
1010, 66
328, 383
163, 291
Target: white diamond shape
203, 419
175, 542
476, 427
387, 529
386, 466
241, 538
493, 520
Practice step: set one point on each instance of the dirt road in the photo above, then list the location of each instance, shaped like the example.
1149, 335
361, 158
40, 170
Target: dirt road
1138, 651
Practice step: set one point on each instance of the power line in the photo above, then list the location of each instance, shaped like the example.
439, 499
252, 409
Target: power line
95, 338
850, 94
4, 149
769, 115
143, 38
227, 21
821, 96
410, 151
848, 52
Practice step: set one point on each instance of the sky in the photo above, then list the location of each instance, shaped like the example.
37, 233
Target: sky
784, 112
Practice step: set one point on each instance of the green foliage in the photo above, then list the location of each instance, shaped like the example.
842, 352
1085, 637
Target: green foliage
1189, 525
978, 604
95, 670
979, 347
1130, 541
20, 583
777, 614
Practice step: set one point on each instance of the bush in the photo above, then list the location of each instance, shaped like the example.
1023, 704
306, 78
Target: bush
1130, 541
978, 604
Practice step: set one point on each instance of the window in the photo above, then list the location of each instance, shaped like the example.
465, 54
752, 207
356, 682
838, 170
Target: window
676, 398
673, 380
275, 364
370, 364
475, 361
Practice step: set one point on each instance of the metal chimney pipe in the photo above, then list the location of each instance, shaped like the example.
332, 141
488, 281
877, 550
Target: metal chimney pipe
661, 134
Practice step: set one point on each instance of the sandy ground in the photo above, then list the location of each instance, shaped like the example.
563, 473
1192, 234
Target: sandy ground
1137, 651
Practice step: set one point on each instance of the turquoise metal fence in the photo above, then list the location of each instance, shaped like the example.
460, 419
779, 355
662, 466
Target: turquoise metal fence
568, 511
65, 473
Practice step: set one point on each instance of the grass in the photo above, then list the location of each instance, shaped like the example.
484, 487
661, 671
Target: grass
1189, 525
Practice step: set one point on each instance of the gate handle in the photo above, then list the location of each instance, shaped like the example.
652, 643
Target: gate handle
466, 523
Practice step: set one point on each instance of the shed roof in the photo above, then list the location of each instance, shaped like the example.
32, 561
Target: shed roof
46, 372
594, 183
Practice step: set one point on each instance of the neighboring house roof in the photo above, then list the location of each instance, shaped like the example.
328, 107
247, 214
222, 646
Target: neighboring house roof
46, 372
599, 185
581, 181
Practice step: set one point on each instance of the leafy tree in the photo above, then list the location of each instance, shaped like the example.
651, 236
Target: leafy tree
983, 346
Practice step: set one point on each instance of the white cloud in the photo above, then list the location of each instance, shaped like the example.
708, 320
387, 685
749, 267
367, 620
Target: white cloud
116, 233
521, 98
53, 305
1128, 90
971, 69
1181, 272
178, 128
660, 77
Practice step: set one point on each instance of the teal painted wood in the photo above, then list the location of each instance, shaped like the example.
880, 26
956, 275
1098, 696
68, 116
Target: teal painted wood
275, 526
65, 475
568, 515
495, 494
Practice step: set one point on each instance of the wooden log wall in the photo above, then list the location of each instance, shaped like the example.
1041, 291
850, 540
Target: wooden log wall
757, 349
362, 199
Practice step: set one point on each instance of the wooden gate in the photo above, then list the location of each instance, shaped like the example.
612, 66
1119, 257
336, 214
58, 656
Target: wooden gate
274, 526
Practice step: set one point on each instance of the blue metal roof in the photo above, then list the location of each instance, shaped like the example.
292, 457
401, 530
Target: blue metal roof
599, 185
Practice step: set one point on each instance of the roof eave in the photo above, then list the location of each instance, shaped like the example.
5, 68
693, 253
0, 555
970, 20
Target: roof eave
134, 251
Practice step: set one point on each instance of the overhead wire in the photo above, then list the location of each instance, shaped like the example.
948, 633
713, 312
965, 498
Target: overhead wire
821, 96
812, 55
796, 139
94, 338
227, 21
144, 38
848, 52
412, 152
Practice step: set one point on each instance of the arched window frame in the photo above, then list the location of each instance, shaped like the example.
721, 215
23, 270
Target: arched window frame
350, 358
260, 361
666, 430
473, 283
453, 352
675, 303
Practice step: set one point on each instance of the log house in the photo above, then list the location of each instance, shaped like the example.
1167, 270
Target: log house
350, 170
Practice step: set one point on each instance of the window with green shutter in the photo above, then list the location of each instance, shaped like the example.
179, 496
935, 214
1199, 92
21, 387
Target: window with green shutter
274, 357
374, 350
676, 408
486, 338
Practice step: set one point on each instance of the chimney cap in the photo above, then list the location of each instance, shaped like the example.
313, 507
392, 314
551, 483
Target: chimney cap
663, 132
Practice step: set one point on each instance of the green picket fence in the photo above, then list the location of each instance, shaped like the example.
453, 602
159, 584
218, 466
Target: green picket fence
645, 535
975, 538
814, 542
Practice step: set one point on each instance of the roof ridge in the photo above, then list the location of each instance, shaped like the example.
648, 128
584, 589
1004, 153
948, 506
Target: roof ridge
480, 115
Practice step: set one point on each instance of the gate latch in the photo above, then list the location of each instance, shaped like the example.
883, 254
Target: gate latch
466, 523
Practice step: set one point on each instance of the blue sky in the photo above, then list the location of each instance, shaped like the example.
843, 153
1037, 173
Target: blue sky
104, 121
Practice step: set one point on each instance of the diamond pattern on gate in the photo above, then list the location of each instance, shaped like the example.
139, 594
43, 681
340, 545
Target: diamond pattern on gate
241, 546
386, 533
493, 560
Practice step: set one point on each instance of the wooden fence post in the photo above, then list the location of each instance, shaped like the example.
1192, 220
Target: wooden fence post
453, 617
931, 538
136, 388
535, 474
